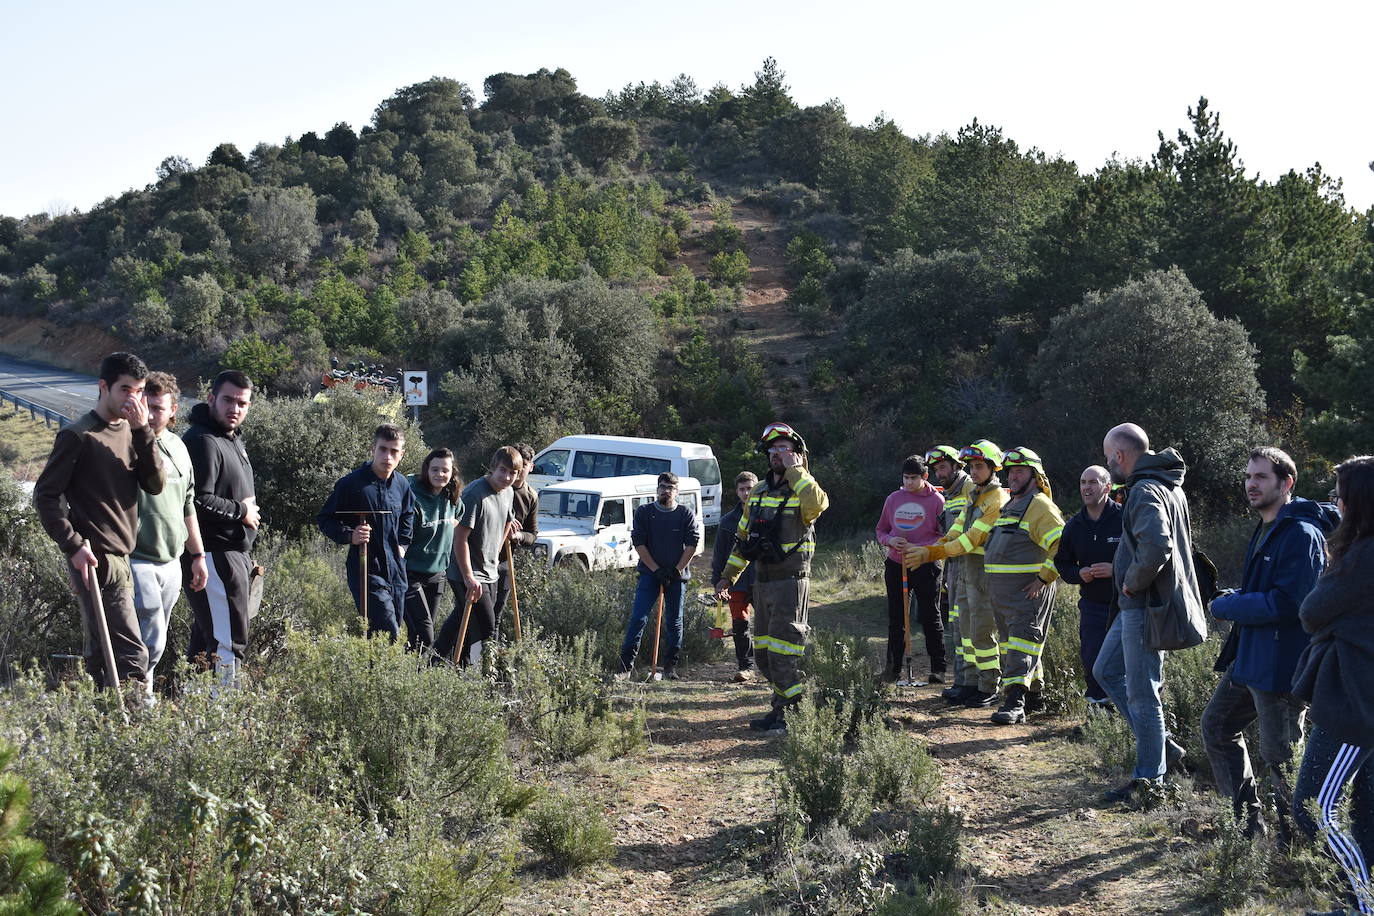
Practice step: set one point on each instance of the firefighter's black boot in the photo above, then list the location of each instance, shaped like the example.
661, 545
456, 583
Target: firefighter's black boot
1013, 709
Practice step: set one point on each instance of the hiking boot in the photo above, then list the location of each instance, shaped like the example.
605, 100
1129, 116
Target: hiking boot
1035, 702
1013, 709
777, 730
935, 677
954, 693
1124, 792
773, 717
1173, 756
744, 675
670, 673
979, 700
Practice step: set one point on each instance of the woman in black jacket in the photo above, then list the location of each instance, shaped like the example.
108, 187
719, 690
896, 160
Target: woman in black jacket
1336, 675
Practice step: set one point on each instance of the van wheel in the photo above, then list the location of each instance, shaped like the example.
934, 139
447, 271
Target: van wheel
573, 561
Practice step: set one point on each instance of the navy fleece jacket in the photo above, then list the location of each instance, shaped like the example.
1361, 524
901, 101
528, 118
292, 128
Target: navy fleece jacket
1281, 567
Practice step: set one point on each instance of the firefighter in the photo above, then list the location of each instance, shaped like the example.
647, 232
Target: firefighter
1022, 580
977, 623
776, 536
956, 484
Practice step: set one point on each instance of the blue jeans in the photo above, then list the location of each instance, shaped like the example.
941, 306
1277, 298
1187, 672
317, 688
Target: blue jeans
1132, 675
646, 603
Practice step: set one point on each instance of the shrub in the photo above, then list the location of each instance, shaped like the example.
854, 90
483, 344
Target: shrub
301, 446
841, 678
896, 766
38, 613
345, 781
568, 832
825, 784
1065, 686
560, 697
1230, 870
729, 268
933, 844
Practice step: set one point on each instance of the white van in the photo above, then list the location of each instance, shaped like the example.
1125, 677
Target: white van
578, 457
586, 523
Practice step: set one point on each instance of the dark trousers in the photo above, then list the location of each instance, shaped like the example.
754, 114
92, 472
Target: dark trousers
923, 585
422, 606
116, 585
1232, 709
1330, 771
481, 622
1093, 619
739, 618
219, 612
383, 614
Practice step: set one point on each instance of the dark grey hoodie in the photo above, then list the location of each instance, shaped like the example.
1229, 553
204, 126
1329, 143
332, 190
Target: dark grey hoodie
1155, 559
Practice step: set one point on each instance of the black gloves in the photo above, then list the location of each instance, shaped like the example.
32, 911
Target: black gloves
668, 575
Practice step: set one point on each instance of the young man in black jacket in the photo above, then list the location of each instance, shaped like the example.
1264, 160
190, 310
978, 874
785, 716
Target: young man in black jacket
227, 510
1084, 559
741, 592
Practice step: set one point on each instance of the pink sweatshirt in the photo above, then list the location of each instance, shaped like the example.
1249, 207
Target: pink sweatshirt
914, 516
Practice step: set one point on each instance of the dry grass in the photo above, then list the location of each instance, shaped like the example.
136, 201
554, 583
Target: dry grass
24, 444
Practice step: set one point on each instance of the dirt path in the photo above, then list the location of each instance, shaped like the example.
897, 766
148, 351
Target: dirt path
1037, 838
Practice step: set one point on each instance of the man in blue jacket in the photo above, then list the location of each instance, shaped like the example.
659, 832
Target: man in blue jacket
374, 505
1285, 557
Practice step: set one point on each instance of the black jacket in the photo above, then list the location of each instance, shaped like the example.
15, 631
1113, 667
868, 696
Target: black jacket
1336, 672
1085, 542
224, 479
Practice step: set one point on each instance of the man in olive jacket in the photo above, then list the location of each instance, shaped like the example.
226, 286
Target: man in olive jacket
1153, 567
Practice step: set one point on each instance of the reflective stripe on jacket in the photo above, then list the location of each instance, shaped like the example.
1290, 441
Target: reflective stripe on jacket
1025, 538
974, 524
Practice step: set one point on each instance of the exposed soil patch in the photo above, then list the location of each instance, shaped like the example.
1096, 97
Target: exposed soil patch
78, 348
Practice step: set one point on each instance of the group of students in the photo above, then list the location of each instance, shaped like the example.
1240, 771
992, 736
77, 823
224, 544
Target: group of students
1298, 661
408, 535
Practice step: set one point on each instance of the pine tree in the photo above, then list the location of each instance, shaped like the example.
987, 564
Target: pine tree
30, 885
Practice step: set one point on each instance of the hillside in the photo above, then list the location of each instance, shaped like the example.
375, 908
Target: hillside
678, 262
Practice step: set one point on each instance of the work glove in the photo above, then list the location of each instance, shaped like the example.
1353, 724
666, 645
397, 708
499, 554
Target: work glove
915, 556
667, 575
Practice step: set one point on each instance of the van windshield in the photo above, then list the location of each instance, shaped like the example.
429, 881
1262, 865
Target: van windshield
705, 470
552, 463
569, 505
604, 464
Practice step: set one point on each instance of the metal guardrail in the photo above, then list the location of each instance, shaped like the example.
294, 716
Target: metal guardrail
37, 411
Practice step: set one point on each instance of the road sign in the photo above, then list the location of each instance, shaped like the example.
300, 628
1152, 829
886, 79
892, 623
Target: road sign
415, 383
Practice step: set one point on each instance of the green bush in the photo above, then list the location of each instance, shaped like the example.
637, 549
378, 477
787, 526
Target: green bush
827, 785
1065, 686
840, 676
38, 612
895, 765
1189, 683
344, 781
301, 446
729, 268
560, 697
569, 832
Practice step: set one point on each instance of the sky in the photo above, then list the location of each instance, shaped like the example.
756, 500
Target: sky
94, 95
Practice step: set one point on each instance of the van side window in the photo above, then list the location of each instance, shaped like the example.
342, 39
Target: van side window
594, 464
552, 464
605, 464
635, 464
705, 470
612, 512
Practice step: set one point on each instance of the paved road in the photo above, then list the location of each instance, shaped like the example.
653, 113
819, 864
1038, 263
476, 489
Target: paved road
68, 393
